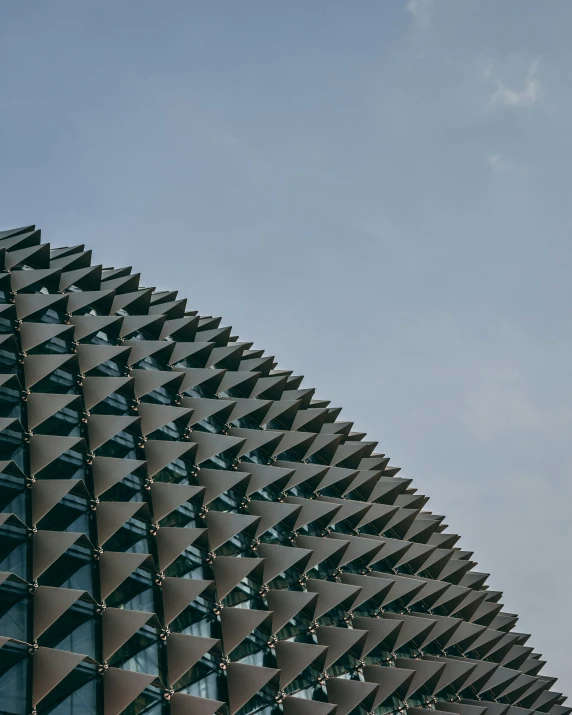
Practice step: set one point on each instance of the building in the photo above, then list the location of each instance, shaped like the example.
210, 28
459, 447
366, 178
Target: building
186, 530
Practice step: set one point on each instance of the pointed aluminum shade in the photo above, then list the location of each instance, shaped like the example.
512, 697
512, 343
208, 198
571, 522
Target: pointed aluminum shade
217, 482
141, 349
348, 695
29, 305
148, 380
108, 471
271, 514
167, 497
37, 367
152, 324
358, 548
203, 408
50, 604
183, 651
393, 683
339, 641
88, 325
332, 595
278, 559
102, 428
223, 527
88, 278
255, 409
244, 681
379, 632
313, 510
121, 687
50, 667
263, 476
286, 604
46, 493
301, 706
323, 549
33, 335
111, 516
119, 625
256, 440
179, 328
199, 377
292, 658
159, 454
91, 356
137, 302
42, 406
171, 542
193, 353
178, 593
372, 590
100, 299
115, 567
48, 546
211, 445
97, 389
47, 277
153, 417
238, 623
229, 572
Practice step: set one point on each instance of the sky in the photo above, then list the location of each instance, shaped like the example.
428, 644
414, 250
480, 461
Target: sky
378, 193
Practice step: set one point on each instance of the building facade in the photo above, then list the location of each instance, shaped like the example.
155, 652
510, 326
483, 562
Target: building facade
187, 530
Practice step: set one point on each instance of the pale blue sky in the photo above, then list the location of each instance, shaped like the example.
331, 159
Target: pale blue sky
378, 193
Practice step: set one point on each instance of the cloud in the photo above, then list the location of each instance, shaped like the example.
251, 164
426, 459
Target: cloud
497, 162
420, 10
501, 164
525, 97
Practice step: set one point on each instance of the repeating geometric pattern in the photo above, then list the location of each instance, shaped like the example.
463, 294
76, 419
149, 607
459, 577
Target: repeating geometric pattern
186, 530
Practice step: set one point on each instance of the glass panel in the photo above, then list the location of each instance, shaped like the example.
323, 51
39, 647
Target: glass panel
75, 695
190, 564
14, 549
140, 653
9, 358
109, 368
13, 680
124, 445
55, 346
65, 423
131, 537
14, 601
69, 465
135, 593
74, 631
149, 702
13, 495
179, 471
69, 514
12, 445
61, 381
74, 569
81, 702
117, 403
11, 403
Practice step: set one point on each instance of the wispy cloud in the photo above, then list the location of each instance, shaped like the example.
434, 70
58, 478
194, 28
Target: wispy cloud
420, 11
501, 164
525, 97
496, 162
